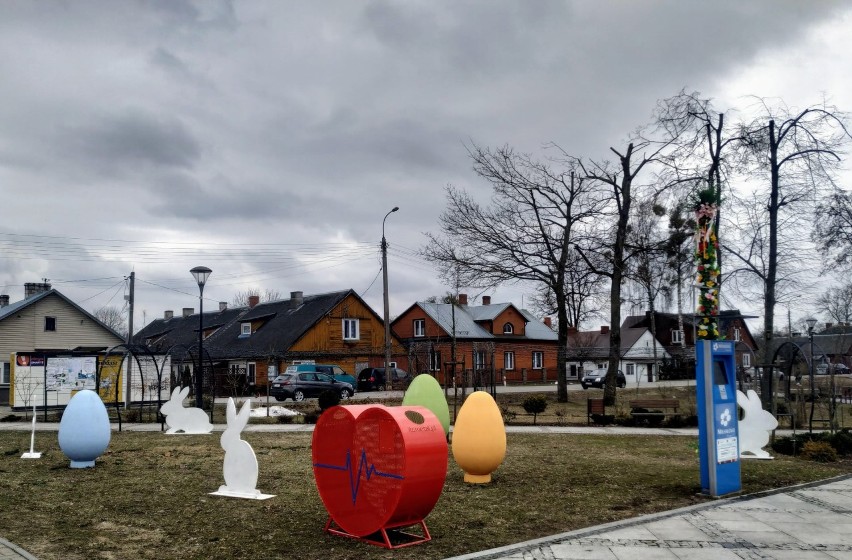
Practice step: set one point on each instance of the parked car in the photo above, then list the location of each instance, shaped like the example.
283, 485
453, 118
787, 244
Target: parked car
328, 369
307, 384
374, 379
596, 379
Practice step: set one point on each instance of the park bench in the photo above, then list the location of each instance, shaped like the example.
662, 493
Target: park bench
594, 406
653, 408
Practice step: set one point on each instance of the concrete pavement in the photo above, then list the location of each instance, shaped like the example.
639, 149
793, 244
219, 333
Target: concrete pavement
806, 522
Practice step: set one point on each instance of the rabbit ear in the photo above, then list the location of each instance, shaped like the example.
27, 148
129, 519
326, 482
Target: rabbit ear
753, 397
175, 393
245, 413
742, 400
184, 392
231, 411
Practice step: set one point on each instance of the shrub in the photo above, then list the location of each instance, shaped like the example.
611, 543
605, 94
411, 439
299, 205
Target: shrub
603, 419
285, 419
535, 405
312, 417
842, 442
508, 414
819, 451
328, 399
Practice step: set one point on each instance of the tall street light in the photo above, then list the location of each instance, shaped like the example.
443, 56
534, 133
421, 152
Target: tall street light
811, 324
388, 374
200, 273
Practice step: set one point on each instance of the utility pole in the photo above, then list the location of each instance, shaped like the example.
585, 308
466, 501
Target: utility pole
389, 376
130, 307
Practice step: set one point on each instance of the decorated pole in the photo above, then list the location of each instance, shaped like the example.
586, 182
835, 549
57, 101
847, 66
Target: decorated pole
707, 264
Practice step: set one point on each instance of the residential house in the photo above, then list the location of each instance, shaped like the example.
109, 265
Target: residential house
248, 345
499, 339
677, 336
47, 321
590, 350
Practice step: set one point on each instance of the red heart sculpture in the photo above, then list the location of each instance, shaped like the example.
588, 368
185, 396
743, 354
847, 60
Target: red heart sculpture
379, 467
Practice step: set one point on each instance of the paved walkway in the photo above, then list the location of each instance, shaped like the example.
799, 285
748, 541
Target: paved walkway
807, 522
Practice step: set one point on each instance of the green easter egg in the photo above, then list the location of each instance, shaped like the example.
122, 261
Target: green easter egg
425, 391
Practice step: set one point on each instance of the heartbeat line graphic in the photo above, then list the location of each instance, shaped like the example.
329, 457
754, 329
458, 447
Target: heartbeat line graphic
355, 483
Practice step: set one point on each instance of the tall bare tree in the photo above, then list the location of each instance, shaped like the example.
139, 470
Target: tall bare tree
524, 235
833, 227
796, 154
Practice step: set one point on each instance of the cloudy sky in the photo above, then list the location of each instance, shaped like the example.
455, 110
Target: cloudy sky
268, 139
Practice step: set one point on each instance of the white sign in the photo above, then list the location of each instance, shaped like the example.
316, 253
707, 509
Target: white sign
727, 450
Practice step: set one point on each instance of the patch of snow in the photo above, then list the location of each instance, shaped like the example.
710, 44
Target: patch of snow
274, 411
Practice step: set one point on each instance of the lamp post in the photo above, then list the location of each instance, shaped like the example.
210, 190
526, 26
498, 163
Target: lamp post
388, 375
811, 324
200, 273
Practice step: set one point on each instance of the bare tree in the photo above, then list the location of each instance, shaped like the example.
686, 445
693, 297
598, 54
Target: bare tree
523, 236
797, 153
114, 318
609, 256
836, 303
241, 299
584, 293
833, 227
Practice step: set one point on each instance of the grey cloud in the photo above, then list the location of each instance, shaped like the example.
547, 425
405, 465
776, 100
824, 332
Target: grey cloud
133, 138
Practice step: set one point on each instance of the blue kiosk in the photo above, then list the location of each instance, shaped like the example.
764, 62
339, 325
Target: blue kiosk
718, 434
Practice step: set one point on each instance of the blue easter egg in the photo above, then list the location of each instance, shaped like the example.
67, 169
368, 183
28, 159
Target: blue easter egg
84, 431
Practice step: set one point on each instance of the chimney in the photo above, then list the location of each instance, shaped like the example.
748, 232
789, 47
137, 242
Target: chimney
462, 299
253, 300
4, 300
604, 329
486, 300
168, 315
827, 325
223, 305
548, 323
35, 288
187, 311
296, 299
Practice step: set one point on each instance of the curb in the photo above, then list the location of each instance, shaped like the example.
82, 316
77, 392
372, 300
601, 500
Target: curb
16, 549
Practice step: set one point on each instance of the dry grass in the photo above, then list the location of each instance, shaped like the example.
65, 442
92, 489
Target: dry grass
148, 496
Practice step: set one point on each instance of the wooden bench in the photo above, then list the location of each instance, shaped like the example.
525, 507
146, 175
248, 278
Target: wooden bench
594, 406
661, 407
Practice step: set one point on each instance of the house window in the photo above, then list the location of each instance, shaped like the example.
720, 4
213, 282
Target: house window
677, 336
251, 372
50, 323
631, 369
420, 327
746, 360
245, 329
508, 328
350, 329
434, 360
4, 374
737, 334
508, 360
537, 360
479, 359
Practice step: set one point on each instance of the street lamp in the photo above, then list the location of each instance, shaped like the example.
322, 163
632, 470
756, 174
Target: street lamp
811, 324
388, 375
200, 273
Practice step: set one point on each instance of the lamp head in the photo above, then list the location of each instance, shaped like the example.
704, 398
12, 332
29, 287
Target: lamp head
811, 323
201, 273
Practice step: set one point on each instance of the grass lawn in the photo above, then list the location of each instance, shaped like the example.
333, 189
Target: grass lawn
148, 496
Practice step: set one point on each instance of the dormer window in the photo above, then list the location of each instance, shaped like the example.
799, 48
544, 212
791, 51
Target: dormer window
677, 336
508, 328
419, 327
245, 330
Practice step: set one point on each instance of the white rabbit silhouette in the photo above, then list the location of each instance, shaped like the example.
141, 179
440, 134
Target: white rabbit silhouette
240, 466
756, 425
186, 420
